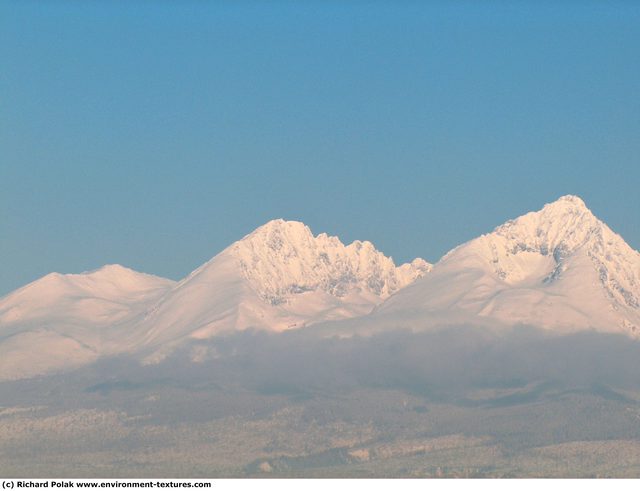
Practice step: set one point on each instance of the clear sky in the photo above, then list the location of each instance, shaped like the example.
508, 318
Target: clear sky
153, 134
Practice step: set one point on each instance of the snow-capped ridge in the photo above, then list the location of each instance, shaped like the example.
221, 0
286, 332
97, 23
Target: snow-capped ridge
112, 269
284, 258
567, 227
113, 284
65, 320
278, 277
559, 266
566, 223
560, 230
570, 200
121, 276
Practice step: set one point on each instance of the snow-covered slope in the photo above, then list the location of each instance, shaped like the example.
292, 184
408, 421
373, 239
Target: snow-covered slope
559, 268
278, 277
61, 321
281, 259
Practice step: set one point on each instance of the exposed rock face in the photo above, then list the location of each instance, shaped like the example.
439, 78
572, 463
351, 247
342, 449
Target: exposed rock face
283, 258
560, 267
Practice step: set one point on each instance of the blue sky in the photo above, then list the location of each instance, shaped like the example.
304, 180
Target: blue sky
154, 134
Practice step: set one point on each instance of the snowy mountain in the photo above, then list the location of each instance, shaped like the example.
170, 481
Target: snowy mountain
66, 320
559, 268
278, 277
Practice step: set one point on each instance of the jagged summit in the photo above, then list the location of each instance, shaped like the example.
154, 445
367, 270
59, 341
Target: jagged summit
556, 267
569, 200
279, 224
559, 267
278, 233
284, 258
555, 235
278, 277
565, 223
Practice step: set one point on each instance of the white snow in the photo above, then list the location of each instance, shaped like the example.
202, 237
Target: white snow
283, 258
559, 268
63, 321
278, 277
102, 296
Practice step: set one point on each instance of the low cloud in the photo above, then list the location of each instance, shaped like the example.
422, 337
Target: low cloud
431, 363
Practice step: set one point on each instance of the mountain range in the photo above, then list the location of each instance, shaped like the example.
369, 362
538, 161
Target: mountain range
559, 268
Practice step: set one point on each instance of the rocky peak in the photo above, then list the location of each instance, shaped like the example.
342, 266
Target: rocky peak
558, 229
283, 258
539, 246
